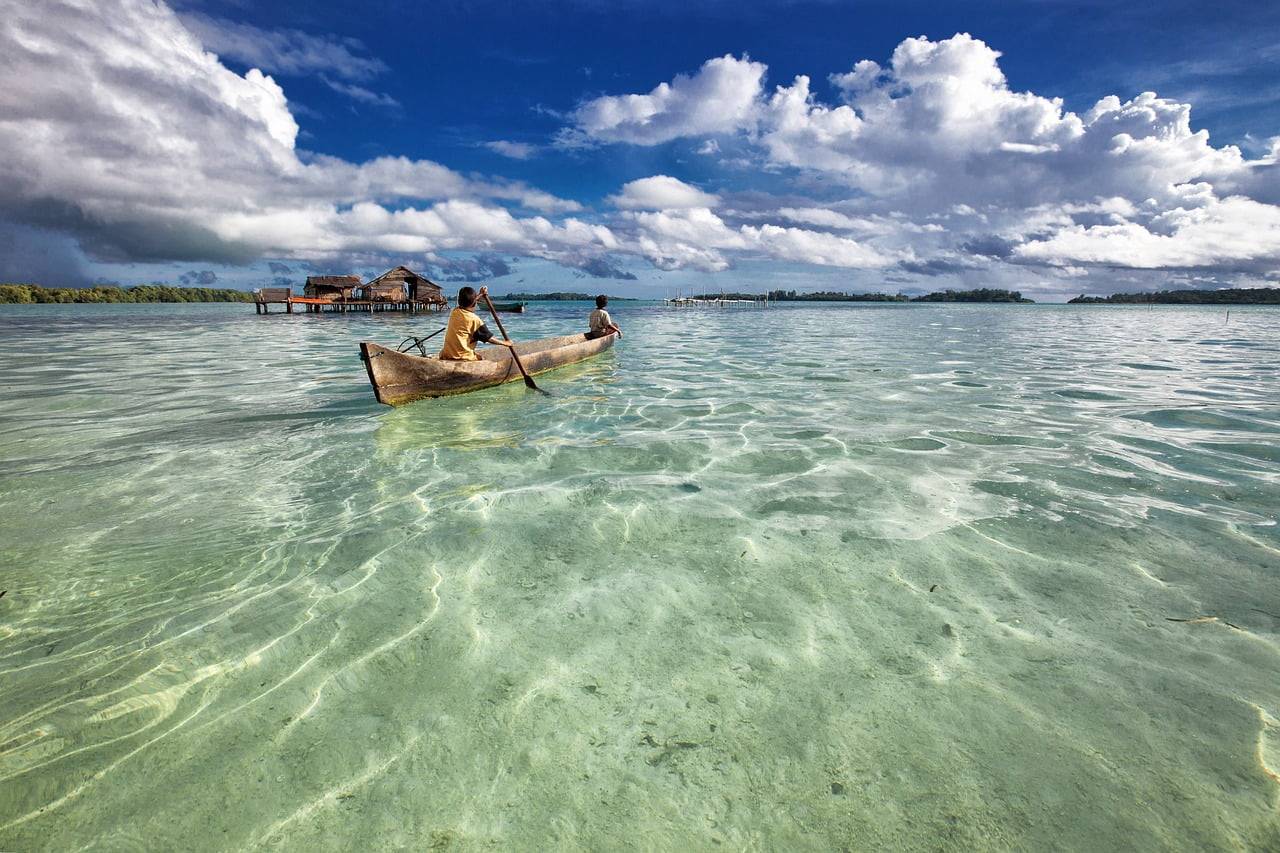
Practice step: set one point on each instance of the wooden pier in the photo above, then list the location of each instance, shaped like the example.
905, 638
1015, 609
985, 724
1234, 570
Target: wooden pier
316, 305
265, 297
312, 305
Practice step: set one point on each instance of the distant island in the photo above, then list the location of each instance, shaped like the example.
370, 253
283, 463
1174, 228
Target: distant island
1232, 296
980, 295
23, 294
562, 296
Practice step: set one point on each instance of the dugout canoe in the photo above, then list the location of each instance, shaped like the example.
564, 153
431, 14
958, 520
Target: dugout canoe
399, 378
509, 307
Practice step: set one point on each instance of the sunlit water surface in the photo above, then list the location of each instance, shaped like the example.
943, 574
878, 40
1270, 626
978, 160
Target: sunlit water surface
875, 577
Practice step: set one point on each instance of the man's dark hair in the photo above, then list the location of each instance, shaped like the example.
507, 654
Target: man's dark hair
602, 301
466, 297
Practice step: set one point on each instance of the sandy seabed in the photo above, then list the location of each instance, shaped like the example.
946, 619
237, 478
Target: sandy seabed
959, 577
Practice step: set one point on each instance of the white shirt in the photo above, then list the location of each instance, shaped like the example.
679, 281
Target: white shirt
599, 320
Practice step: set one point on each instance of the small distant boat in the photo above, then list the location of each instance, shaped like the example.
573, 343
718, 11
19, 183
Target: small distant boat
399, 378
510, 307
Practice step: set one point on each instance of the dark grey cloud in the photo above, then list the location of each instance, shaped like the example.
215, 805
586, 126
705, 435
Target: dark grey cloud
938, 266
603, 267
279, 268
35, 256
481, 267
991, 246
126, 241
201, 278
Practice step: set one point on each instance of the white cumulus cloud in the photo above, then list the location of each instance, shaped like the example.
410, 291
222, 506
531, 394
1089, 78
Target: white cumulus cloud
699, 239
661, 192
1233, 231
938, 133
119, 127
721, 97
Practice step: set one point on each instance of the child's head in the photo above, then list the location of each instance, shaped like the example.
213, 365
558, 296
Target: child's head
467, 297
602, 301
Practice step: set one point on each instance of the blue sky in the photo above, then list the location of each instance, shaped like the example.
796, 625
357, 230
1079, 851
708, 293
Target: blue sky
644, 148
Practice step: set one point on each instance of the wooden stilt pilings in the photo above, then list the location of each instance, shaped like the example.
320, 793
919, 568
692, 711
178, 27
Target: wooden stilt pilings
314, 305
694, 302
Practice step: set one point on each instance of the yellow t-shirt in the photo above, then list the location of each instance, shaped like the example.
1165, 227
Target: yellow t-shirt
459, 334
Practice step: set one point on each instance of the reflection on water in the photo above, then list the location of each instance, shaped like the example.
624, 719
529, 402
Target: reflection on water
958, 576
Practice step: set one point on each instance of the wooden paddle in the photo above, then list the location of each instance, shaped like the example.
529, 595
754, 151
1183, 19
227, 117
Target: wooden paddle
528, 380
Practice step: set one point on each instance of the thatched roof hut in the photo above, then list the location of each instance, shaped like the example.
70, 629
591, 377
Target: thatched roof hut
403, 284
332, 287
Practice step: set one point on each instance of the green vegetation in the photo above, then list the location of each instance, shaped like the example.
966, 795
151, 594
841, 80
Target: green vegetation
1233, 296
981, 295
561, 296
31, 293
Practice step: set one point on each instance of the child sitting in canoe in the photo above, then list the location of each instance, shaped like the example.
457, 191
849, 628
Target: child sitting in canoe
465, 329
600, 323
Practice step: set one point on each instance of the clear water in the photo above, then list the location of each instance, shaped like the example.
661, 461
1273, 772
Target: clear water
875, 577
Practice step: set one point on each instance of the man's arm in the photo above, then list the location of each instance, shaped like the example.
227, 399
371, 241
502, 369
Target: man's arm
484, 336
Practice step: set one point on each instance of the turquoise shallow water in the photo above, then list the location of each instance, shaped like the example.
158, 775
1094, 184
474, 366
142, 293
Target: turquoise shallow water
807, 578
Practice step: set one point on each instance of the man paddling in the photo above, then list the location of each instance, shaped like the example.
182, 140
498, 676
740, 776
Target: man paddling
600, 323
465, 329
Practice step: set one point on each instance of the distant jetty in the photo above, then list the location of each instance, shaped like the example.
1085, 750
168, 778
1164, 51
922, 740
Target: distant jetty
833, 296
560, 296
27, 294
1232, 296
717, 301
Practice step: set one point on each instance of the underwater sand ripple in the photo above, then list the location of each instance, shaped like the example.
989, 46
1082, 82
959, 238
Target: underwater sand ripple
917, 588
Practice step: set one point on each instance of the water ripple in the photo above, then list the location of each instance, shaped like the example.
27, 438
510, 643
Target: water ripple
996, 575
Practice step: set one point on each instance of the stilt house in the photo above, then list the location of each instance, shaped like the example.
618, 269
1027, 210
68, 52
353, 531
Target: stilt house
404, 285
335, 288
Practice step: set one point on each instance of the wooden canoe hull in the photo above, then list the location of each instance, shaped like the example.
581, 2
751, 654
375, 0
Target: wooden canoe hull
399, 378
509, 307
